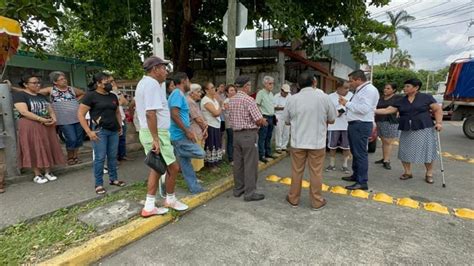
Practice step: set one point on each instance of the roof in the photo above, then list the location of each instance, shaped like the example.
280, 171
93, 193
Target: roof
71, 60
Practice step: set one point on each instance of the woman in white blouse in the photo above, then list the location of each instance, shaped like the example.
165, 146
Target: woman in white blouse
212, 110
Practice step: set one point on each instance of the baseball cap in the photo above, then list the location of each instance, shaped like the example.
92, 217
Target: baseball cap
154, 61
240, 81
285, 88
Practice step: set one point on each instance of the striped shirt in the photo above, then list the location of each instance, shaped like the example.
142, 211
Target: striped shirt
65, 105
243, 112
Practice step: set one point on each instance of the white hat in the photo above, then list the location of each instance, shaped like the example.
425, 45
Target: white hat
285, 88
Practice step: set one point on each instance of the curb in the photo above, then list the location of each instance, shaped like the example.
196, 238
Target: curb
105, 244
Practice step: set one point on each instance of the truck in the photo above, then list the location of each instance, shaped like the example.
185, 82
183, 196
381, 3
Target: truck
459, 94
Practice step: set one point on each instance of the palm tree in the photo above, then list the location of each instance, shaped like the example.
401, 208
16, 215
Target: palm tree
402, 59
396, 21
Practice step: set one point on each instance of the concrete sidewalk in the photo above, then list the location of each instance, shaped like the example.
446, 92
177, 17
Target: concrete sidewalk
28, 200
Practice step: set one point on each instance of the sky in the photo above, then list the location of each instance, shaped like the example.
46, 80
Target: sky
440, 32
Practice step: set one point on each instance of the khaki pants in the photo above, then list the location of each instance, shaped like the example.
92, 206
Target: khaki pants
198, 164
245, 162
315, 159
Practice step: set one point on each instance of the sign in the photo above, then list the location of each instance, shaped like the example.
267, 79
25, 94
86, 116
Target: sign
242, 16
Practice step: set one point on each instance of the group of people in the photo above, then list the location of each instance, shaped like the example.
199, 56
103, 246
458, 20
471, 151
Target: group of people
184, 123
45, 113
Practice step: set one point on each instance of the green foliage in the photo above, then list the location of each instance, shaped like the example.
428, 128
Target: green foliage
402, 59
389, 74
38, 19
396, 22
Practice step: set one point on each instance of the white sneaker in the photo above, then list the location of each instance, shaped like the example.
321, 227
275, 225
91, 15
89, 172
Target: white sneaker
39, 179
106, 170
176, 205
50, 176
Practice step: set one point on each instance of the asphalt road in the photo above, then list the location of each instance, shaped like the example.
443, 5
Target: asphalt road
349, 230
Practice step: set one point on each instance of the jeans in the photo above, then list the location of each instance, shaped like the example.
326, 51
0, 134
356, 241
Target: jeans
359, 133
73, 135
230, 144
122, 144
106, 146
265, 138
185, 150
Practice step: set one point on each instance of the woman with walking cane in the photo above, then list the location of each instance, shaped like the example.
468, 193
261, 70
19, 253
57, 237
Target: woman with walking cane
418, 139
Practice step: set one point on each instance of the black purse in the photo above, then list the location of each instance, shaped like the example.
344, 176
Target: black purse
156, 162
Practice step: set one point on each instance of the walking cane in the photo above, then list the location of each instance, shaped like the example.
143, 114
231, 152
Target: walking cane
441, 159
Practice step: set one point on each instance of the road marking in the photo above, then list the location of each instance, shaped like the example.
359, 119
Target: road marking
385, 198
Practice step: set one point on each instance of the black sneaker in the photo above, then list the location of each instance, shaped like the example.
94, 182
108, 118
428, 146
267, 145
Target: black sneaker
387, 166
379, 161
263, 160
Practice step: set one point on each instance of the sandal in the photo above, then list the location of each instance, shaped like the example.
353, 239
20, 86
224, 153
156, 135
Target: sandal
117, 183
100, 190
71, 161
405, 177
429, 179
77, 160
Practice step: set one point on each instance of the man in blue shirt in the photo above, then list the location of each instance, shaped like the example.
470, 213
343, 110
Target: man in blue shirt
182, 138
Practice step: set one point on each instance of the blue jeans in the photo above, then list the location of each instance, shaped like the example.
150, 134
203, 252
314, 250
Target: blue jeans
265, 138
106, 146
359, 133
230, 144
73, 135
186, 150
122, 145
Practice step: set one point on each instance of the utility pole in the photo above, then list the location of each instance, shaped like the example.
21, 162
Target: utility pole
231, 32
157, 28
427, 82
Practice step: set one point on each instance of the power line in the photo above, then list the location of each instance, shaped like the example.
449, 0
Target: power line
443, 25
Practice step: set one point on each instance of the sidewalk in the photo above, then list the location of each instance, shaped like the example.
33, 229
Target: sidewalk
27, 200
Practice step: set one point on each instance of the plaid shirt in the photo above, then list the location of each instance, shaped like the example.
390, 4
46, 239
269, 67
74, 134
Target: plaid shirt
243, 112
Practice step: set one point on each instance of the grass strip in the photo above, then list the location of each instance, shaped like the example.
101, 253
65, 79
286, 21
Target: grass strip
28, 243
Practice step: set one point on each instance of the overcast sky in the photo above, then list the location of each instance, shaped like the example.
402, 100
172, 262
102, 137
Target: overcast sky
440, 31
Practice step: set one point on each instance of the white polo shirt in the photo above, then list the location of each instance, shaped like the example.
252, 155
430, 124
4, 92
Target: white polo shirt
341, 121
308, 112
150, 95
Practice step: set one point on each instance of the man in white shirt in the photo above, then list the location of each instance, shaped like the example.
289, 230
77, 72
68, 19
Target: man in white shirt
282, 130
308, 112
360, 115
337, 132
154, 117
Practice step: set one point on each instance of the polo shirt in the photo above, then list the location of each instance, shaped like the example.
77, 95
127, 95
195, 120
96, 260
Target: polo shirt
264, 101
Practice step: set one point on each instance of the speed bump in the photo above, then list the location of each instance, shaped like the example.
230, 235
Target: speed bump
382, 197
358, 193
305, 184
436, 207
273, 178
325, 187
286, 181
471, 161
338, 190
407, 202
459, 158
447, 154
464, 213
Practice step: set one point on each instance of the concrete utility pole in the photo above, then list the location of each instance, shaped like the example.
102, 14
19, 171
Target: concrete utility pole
231, 32
157, 28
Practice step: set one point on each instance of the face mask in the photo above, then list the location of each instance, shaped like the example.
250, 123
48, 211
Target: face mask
108, 87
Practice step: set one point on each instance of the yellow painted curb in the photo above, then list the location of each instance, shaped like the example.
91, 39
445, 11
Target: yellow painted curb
470, 161
286, 181
305, 184
273, 178
325, 187
105, 244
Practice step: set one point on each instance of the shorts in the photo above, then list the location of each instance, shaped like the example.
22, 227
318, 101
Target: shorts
166, 149
338, 139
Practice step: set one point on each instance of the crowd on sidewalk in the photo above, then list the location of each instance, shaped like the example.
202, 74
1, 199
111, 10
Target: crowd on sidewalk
188, 126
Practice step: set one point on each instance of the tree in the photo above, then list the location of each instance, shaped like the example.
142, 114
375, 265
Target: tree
396, 21
38, 19
402, 59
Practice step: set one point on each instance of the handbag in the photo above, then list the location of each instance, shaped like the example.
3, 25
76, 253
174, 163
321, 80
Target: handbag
156, 162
